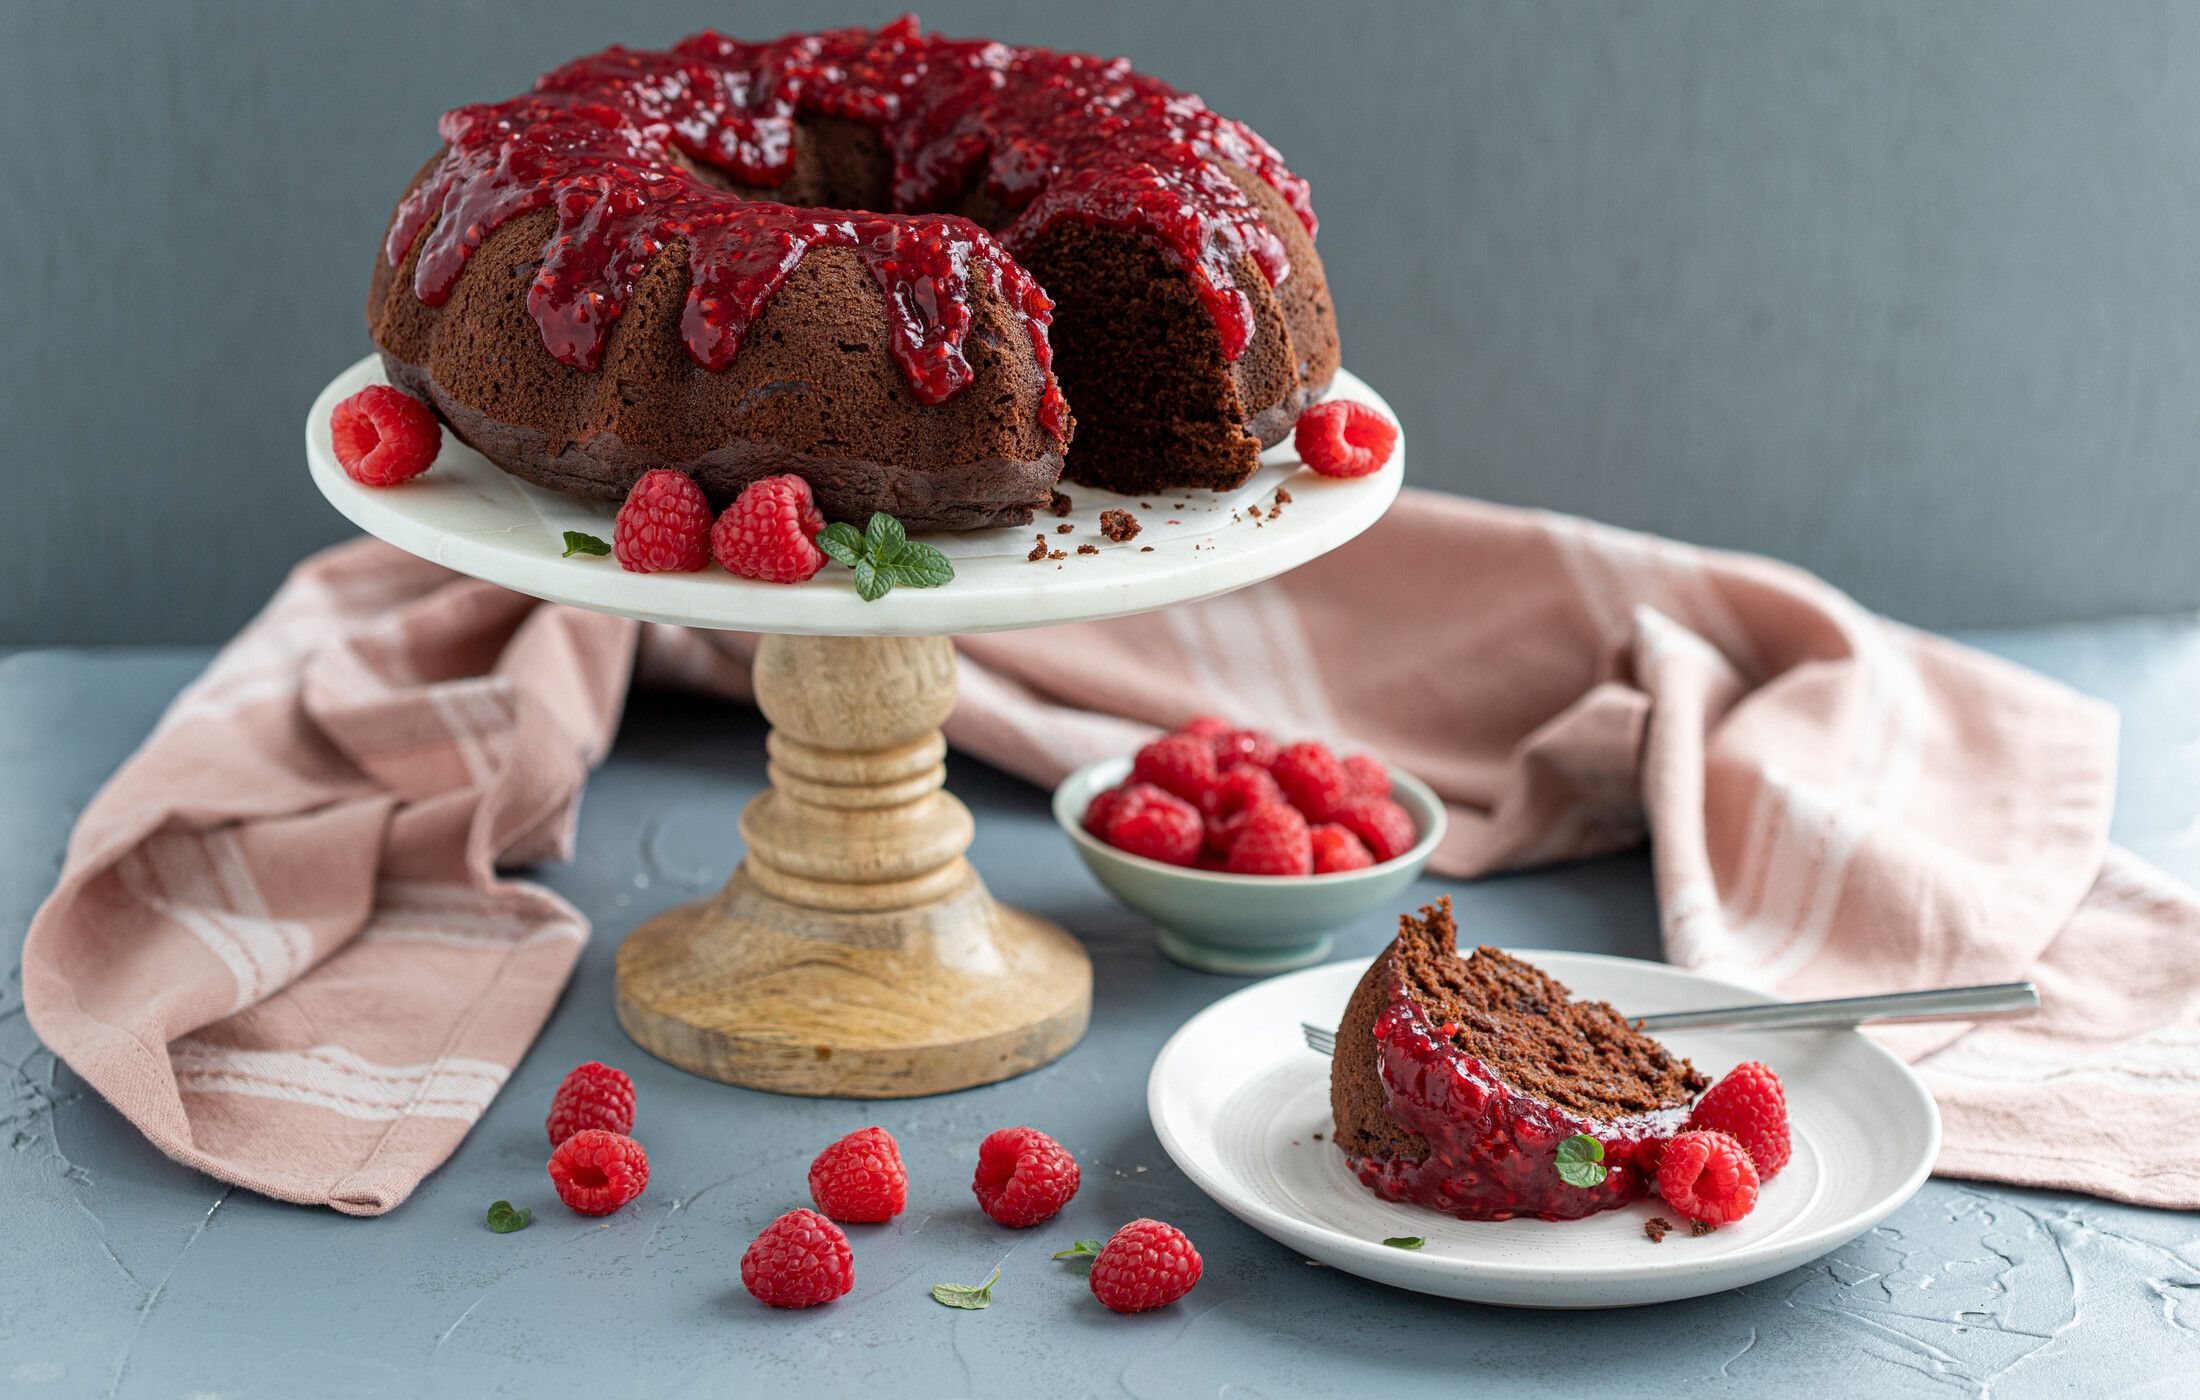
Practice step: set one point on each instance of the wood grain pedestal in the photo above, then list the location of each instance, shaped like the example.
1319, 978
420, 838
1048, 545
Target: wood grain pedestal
855, 953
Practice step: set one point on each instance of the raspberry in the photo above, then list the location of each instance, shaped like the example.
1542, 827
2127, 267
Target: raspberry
596, 1171
1749, 1106
1336, 849
1233, 798
1382, 824
664, 527
1155, 824
1708, 1177
1313, 779
1240, 747
1208, 727
1024, 1176
800, 1260
860, 1177
1101, 810
770, 532
1146, 1264
591, 1096
1273, 841
1177, 763
1342, 438
1367, 776
383, 436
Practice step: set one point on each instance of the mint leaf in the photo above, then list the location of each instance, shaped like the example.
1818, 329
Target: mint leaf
962, 1295
504, 1220
1405, 1241
578, 543
1083, 1249
884, 557
883, 538
872, 582
841, 543
921, 566
1581, 1161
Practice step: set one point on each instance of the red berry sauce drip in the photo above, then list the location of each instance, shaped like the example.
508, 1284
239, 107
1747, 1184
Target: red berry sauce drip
1493, 1151
609, 143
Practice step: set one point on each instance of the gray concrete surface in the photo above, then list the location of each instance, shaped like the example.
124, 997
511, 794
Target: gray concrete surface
1900, 292
123, 1274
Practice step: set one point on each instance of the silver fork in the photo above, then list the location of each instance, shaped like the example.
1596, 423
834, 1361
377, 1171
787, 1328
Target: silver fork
1994, 1002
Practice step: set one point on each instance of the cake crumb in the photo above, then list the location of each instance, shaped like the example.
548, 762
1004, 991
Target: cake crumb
1656, 1227
1317, 1137
1283, 496
1145, 549
1700, 1228
1088, 549
1145, 505
1064, 528
1038, 551
1119, 525
1060, 504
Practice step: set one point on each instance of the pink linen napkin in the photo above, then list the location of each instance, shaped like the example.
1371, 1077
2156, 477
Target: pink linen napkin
281, 946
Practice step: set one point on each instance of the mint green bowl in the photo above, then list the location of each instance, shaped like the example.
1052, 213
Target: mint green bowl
1245, 924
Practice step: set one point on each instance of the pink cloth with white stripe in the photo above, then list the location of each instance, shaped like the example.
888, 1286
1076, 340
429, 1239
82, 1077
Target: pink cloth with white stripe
281, 946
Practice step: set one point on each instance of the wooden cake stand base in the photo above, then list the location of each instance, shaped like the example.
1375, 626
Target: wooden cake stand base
855, 953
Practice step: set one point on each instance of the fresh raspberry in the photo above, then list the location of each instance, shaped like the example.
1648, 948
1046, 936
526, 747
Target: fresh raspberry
1708, 1177
800, 1260
770, 532
1241, 747
1177, 763
860, 1178
1367, 776
1024, 1176
1208, 727
1233, 798
383, 436
1337, 850
664, 527
1146, 1264
596, 1171
1384, 826
1313, 779
1749, 1106
1155, 824
1342, 438
1101, 810
1273, 841
591, 1096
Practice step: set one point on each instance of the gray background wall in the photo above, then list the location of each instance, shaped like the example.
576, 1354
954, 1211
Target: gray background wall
1907, 293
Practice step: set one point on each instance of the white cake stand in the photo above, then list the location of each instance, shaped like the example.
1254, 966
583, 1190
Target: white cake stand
854, 952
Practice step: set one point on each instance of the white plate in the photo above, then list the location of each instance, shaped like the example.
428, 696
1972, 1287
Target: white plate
1236, 1098
467, 515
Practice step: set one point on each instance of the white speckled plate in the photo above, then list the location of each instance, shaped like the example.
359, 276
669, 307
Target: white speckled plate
1236, 1098
467, 515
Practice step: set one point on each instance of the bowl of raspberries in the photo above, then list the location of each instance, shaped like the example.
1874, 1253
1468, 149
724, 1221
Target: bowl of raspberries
1248, 850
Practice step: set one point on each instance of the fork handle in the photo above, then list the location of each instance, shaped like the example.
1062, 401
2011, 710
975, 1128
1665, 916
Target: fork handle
1987, 1003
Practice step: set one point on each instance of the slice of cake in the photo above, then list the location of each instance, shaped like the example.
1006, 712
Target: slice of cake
1456, 1079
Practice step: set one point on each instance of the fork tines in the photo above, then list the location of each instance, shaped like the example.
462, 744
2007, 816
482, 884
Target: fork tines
1319, 1041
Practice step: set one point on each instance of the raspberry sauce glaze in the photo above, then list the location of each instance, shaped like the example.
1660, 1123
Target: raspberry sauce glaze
612, 144
1493, 1151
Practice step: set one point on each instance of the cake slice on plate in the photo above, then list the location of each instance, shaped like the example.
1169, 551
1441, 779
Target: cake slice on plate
1456, 1079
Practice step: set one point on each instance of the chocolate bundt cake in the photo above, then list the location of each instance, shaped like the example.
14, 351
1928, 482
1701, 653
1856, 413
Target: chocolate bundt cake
1455, 1080
888, 261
